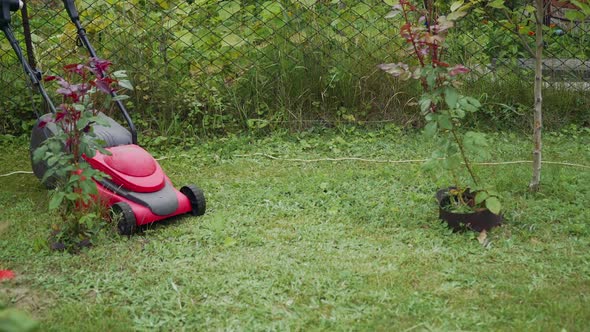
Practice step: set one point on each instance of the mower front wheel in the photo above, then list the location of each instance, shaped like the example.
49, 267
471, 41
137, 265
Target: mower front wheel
123, 214
197, 198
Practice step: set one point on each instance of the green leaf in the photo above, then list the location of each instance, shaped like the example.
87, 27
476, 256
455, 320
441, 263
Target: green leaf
56, 200
103, 150
469, 104
530, 9
52, 161
74, 178
257, 123
481, 196
54, 145
574, 15
492, 192
431, 80
452, 162
393, 14
101, 121
88, 187
451, 97
90, 153
473, 101
584, 7
456, 5
120, 74
72, 197
120, 97
39, 153
430, 129
454, 16
458, 113
425, 105
444, 121
126, 84
494, 205
477, 138
499, 4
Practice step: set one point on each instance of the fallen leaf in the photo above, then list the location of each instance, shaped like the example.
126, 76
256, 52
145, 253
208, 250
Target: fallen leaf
6, 275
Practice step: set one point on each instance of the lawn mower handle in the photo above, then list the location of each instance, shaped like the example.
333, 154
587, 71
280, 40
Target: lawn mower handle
7, 6
71, 9
75, 18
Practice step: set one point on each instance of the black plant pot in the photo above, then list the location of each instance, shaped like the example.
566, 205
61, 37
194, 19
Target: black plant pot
477, 221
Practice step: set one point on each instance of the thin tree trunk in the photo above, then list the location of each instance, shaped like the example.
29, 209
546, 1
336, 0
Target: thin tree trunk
538, 117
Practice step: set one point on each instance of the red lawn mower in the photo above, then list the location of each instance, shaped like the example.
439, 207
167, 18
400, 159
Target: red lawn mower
137, 190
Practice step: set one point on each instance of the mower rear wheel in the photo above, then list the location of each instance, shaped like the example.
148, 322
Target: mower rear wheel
197, 198
123, 214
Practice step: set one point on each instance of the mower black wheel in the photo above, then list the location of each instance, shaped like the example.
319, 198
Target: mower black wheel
123, 214
197, 198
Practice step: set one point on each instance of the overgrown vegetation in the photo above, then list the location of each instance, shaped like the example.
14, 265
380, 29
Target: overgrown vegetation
323, 245
86, 91
442, 103
206, 67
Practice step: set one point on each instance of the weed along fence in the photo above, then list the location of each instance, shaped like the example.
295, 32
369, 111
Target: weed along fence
224, 64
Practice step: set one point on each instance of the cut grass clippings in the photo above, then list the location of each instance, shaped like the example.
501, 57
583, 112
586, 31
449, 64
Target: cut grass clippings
315, 246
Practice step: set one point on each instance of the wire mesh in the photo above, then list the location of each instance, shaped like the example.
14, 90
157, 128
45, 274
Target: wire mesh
187, 55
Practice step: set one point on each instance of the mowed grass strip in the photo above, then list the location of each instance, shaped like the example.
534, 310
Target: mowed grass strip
315, 246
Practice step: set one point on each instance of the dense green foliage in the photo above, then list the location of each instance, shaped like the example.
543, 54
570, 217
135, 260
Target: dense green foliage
86, 90
235, 65
206, 67
324, 245
442, 103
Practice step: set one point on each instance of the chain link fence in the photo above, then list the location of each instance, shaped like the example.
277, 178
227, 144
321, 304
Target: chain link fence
211, 65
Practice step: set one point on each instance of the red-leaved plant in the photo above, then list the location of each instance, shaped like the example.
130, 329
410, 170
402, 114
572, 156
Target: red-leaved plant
85, 91
441, 103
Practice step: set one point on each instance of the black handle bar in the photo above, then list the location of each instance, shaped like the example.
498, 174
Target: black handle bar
75, 18
33, 76
8, 6
71, 9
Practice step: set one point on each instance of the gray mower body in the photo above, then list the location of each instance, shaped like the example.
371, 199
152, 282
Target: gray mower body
112, 134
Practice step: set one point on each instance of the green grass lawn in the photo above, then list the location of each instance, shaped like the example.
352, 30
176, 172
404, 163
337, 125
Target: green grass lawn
289, 245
